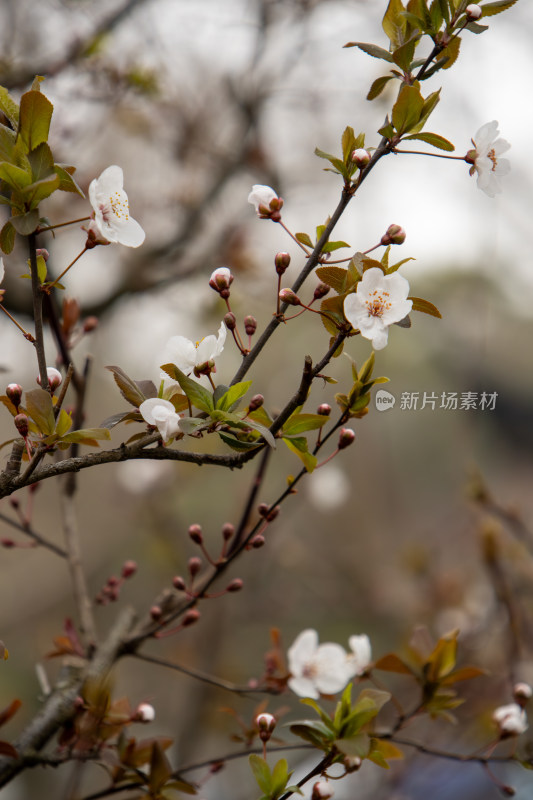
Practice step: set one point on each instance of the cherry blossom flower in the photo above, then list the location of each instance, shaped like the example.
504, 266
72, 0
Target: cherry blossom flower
187, 355
111, 209
322, 790
511, 719
266, 201
317, 669
162, 414
485, 159
379, 301
144, 713
361, 654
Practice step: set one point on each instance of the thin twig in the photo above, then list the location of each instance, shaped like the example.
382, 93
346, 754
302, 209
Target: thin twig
37, 537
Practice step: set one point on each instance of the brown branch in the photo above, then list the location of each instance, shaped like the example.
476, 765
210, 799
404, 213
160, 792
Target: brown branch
37, 537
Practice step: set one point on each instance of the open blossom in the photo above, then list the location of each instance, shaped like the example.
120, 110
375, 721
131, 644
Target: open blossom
486, 158
510, 719
379, 301
361, 654
321, 668
187, 355
266, 202
111, 209
162, 414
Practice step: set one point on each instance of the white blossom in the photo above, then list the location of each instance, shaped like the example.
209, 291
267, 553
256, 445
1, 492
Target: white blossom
261, 197
111, 209
322, 790
317, 669
162, 414
379, 301
486, 161
511, 719
144, 713
361, 654
186, 355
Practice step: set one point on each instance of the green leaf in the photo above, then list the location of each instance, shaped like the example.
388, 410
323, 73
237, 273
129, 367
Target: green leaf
64, 423
304, 238
41, 161
419, 304
378, 85
298, 445
407, 109
334, 277
122, 416
451, 52
357, 745
40, 408
7, 238
404, 55
9, 108
329, 247
160, 769
394, 23
128, 388
190, 425
336, 162
200, 398
313, 732
40, 190
280, 777
372, 50
231, 397
300, 423
15, 177
26, 223
265, 433
66, 181
34, 120
433, 139
430, 103
7, 142
86, 436
233, 442
496, 8
261, 772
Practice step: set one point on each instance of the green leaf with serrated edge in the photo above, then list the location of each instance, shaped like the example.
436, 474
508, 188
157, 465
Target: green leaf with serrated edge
7, 142
335, 277
128, 388
414, 21
404, 55
343, 707
394, 24
451, 52
40, 190
357, 745
63, 423
429, 106
332, 316
434, 139
238, 444
372, 50
42, 162
349, 144
366, 370
40, 408
387, 131
15, 177
300, 423
280, 777
231, 397
496, 8
329, 247
474, 27
407, 109
336, 162
298, 445
310, 733
34, 120
435, 14
7, 238
122, 416
190, 425
395, 267
261, 772
9, 108
371, 263
260, 415
147, 388
445, 8
419, 304
304, 238
84, 435
419, 7
265, 433
26, 223
66, 181
377, 86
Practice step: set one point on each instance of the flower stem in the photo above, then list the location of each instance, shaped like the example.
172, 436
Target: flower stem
422, 153
50, 286
293, 237
62, 224
27, 335
37, 312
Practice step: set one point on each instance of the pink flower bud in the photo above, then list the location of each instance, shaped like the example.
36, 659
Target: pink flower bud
228, 530
361, 157
55, 378
522, 693
194, 565
179, 583
22, 424
282, 261
220, 280
14, 392
256, 402
321, 291
258, 541
90, 324
324, 410
129, 568
43, 252
473, 12
322, 790
395, 235
262, 509
289, 297
230, 321
346, 438
71, 313
156, 612
190, 617
235, 585
265, 725
195, 532
250, 325
267, 204
7, 543
113, 580
144, 713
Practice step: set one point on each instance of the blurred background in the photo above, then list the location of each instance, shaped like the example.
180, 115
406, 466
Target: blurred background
197, 100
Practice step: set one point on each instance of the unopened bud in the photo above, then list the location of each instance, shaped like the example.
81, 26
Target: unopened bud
361, 157
395, 235
22, 424
322, 790
190, 617
195, 532
351, 763
250, 325
206, 368
265, 725
235, 585
256, 402
522, 693
14, 392
262, 509
228, 530
90, 324
179, 583
194, 565
289, 297
113, 580
43, 252
129, 568
230, 321
258, 541
324, 409
346, 438
473, 12
7, 543
156, 612
321, 291
71, 313
220, 280
272, 514
144, 713
282, 261
55, 378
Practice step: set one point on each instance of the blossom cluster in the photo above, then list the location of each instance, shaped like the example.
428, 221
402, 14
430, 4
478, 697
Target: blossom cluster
325, 668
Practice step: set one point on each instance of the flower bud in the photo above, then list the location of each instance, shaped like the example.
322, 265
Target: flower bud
190, 617
228, 530
129, 568
206, 368
179, 583
395, 235
14, 392
267, 203
194, 565
324, 409
351, 763
144, 713
43, 252
289, 297
321, 291
282, 261
55, 378
7, 543
22, 424
235, 585
94, 236
265, 725
90, 324
113, 581
510, 719
322, 790
473, 12
156, 612
346, 438
272, 514
220, 280
258, 541
361, 157
256, 402
250, 325
262, 509
522, 693
230, 321
195, 532
71, 313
